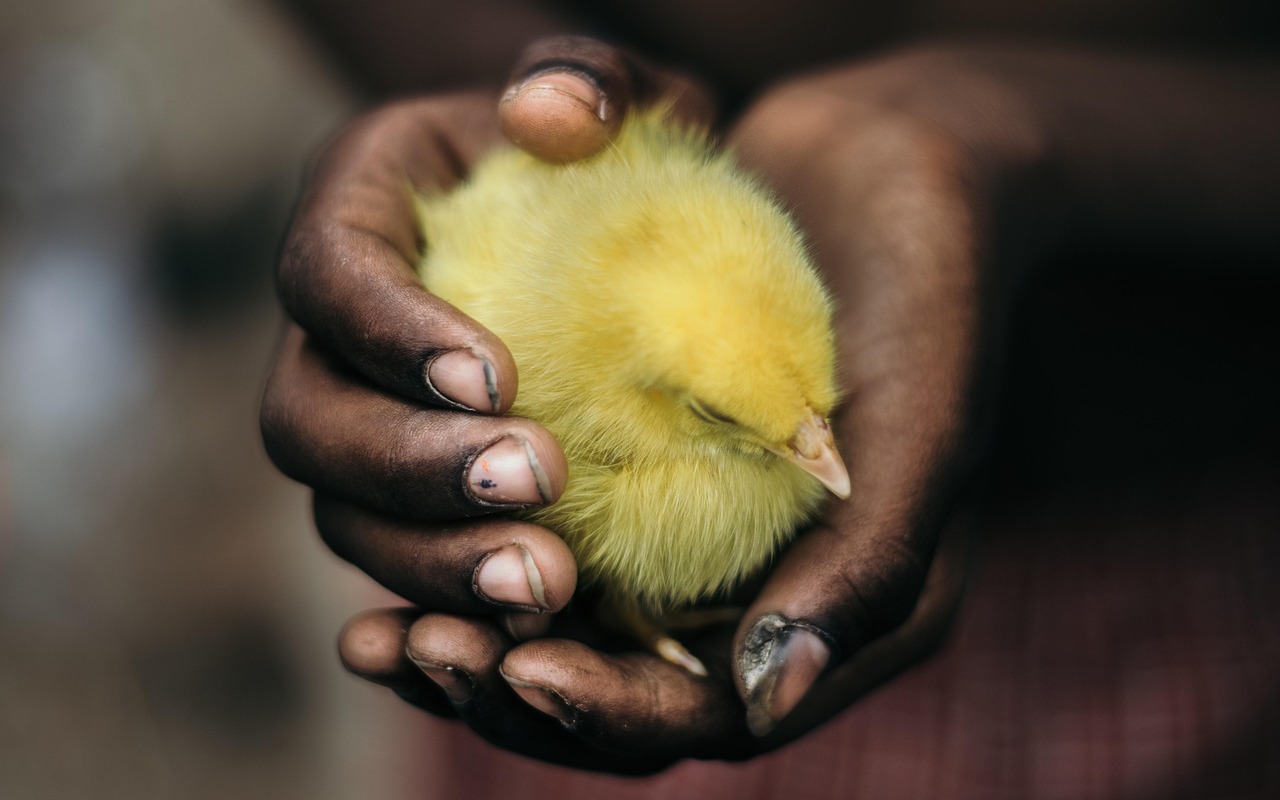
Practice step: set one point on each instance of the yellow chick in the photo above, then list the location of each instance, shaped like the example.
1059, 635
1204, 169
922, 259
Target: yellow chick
672, 334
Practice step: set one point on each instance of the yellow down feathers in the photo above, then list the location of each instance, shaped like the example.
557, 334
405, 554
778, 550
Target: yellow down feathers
669, 330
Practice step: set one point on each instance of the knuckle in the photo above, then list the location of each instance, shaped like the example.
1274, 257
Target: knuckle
293, 267
423, 468
370, 643
401, 462
651, 703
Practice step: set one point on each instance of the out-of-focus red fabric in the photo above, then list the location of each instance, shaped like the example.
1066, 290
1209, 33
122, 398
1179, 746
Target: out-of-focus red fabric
1111, 646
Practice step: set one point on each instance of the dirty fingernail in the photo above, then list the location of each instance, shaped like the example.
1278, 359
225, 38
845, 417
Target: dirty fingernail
543, 699
571, 91
464, 379
779, 663
558, 116
455, 683
509, 576
509, 473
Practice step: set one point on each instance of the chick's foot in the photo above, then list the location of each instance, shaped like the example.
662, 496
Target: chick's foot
635, 623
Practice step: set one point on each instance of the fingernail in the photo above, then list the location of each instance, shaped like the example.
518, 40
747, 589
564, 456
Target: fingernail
455, 683
509, 473
559, 86
523, 627
780, 661
545, 700
510, 577
465, 379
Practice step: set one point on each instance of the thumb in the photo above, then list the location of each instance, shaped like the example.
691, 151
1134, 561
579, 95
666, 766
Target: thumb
808, 646
821, 604
568, 95
873, 569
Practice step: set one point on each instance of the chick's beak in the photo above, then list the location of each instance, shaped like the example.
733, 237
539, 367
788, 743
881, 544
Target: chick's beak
813, 450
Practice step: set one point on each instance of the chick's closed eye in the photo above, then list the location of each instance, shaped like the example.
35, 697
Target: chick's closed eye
706, 413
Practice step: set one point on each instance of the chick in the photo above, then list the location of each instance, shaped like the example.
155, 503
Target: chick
672, 334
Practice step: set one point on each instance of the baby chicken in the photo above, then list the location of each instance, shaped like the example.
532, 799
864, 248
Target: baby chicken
672, 334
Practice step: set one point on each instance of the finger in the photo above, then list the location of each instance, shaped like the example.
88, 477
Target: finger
634, 704
328, 429
462, 655
568, 96
473, 568
347, 272
371, 646
872, 663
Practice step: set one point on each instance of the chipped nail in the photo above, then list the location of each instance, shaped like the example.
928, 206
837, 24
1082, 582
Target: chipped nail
545, 700
455, 683
465, 379
509, 473
522, 627
509, 576
780, 661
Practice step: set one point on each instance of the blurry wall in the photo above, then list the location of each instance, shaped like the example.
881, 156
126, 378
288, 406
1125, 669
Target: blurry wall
166, 614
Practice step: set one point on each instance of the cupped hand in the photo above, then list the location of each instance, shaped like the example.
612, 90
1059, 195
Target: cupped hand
896, 186
387, 401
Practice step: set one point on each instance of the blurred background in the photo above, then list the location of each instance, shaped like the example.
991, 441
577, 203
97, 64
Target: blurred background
167, 616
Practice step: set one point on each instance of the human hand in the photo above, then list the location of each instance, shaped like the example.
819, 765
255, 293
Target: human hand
367, 402
384, 399
896, 215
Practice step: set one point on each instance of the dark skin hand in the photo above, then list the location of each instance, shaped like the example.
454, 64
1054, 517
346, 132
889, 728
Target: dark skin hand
898, 170
412, 524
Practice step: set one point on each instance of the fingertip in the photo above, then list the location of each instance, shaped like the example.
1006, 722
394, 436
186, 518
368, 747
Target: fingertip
570, 94
463, 644
558, 569
557, 115
523, 468
778, 662
511, 577
531, 573
546, 672
468, 380
549, 465
554, 663
371, 644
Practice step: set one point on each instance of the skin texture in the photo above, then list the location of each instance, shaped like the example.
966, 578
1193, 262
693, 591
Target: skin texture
907, 171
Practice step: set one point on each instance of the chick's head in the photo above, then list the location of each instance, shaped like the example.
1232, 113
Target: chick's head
731, 328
